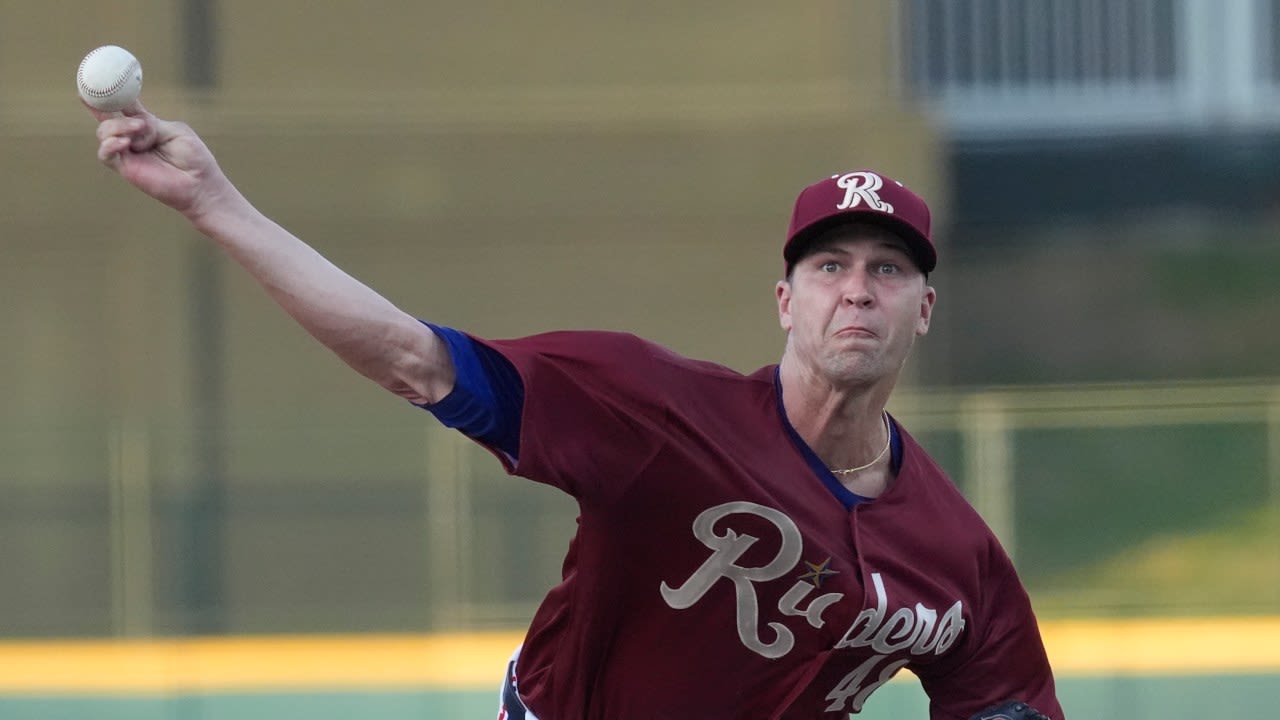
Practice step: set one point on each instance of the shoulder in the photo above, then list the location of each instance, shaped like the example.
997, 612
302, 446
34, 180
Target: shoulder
922, 474
611, 353
589, 343
925, 491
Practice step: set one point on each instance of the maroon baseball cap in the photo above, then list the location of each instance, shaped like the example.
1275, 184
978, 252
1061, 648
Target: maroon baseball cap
863, 196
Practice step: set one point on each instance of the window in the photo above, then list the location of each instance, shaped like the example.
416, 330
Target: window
957, 44
1037, 66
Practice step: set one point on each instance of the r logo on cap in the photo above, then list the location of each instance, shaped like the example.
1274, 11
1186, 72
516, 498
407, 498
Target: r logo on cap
861, 187
860, 195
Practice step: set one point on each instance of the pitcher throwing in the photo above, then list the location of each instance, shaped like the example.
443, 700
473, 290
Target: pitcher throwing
768, 545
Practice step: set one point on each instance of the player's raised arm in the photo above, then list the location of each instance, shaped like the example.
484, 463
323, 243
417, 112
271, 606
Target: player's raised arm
169, 162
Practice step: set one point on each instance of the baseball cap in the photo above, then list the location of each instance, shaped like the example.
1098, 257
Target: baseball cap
863, 196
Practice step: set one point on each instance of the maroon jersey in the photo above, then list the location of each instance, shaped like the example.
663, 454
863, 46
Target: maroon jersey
715, 575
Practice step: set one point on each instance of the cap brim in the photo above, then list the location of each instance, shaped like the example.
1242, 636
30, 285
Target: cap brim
920, 248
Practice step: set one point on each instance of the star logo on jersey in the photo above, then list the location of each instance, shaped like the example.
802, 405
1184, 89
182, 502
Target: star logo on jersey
818, 572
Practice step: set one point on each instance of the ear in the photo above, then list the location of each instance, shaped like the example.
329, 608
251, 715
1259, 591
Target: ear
926, 310
783, 292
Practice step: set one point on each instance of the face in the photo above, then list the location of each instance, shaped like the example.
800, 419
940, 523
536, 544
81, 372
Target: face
854, 306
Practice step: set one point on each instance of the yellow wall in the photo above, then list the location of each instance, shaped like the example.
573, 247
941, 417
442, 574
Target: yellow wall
1108, 648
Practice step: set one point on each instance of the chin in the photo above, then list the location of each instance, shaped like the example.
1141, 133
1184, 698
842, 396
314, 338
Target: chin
852, 372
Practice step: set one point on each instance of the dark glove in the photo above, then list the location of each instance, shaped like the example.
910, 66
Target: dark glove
1012, 710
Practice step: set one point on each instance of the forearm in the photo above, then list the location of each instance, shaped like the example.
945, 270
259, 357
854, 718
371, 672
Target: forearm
363, 328
169, 162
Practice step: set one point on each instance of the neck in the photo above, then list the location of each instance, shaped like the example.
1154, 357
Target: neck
843, 425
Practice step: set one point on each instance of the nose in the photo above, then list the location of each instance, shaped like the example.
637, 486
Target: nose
857, 291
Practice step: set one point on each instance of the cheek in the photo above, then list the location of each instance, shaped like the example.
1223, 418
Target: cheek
802, 312
913, 319
813, 325
909, 317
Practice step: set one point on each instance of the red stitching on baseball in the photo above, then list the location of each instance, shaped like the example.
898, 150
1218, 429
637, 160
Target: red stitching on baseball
120, 81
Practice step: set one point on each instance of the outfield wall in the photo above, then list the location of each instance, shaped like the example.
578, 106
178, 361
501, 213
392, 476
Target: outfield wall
1156, 669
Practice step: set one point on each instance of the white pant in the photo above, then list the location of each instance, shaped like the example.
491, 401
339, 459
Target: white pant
510, 706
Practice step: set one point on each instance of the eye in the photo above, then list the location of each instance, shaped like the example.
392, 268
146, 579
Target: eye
830, 266
887, 268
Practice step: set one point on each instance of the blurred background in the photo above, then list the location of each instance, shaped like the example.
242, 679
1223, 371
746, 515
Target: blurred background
205, 515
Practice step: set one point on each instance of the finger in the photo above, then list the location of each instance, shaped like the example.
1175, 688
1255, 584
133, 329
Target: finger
109, 150
147, 134
155, 130
114, 126
141, 134
135, 109
126, 120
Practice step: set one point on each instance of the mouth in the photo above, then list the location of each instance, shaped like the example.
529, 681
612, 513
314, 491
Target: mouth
855, 331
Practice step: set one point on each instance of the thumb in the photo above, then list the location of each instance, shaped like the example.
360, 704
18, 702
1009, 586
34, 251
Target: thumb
155, 130
142, 141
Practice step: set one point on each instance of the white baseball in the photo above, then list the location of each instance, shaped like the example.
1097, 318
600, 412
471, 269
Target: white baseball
109, 78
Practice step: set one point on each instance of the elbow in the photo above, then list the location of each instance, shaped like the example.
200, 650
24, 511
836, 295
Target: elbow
421, 370
416, 388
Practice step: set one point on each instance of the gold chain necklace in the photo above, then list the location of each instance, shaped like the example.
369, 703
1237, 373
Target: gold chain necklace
888, 437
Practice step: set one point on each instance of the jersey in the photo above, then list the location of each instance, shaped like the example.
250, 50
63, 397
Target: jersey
716, 574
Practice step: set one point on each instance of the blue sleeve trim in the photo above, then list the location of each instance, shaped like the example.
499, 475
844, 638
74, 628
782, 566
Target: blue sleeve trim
487, 397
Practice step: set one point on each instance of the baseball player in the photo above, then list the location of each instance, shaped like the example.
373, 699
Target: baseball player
770, 545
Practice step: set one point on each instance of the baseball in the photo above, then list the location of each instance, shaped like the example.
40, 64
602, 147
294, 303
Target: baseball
109, 78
